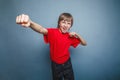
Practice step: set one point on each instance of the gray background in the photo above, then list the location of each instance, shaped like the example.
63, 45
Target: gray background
25, 56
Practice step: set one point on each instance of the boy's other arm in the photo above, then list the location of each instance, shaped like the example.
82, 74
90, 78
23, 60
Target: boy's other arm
73, 34
25, 21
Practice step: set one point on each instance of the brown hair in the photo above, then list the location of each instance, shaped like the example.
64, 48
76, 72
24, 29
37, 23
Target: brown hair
67, 17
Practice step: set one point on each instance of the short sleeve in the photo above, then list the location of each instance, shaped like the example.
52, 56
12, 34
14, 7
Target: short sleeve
48, 37
75, 42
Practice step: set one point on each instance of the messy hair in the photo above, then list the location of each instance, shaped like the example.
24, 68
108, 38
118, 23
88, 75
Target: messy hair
67, 17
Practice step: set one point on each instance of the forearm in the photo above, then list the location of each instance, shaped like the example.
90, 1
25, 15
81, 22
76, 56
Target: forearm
83, 42
38, 28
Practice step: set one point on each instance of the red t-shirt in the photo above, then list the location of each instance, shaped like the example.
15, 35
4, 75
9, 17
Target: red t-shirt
59, 44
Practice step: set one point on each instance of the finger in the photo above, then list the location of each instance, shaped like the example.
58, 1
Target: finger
28, 24
22, 18
17, 20
70, 34
25, 25
26, 19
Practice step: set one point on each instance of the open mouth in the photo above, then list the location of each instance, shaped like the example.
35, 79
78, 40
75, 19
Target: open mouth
64, 28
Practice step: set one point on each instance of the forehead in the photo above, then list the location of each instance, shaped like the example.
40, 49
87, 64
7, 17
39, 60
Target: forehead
66, 18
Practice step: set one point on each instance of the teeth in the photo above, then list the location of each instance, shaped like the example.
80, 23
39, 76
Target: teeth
64, 28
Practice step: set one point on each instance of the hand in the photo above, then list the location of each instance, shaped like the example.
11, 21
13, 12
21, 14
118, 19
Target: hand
73, 34
23, 20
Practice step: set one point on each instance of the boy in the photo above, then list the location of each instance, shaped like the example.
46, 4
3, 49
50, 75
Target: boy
59, 40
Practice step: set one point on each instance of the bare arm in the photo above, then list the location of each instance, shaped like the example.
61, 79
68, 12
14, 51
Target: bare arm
73, 34
25, 21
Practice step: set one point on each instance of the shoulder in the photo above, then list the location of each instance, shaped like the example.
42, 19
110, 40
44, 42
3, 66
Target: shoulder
52, 30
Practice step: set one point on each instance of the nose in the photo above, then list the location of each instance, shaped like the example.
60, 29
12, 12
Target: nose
65, 24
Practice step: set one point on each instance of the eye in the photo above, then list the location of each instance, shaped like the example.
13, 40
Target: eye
63, 22
69, 23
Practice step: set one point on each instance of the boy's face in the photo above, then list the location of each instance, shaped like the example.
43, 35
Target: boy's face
64, 26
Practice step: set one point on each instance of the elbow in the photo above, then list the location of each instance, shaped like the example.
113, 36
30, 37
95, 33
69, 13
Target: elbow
84, 44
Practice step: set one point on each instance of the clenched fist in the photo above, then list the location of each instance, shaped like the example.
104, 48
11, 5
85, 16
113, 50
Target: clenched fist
73, 34
23, 20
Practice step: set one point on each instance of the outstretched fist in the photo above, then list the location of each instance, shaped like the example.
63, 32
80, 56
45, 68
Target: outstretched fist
23, 20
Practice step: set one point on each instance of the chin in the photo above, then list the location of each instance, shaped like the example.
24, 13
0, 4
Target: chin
64, 31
